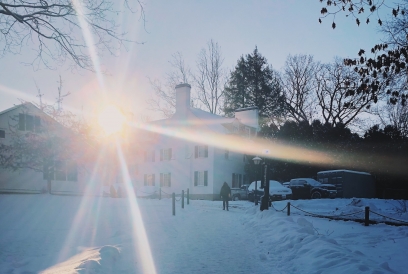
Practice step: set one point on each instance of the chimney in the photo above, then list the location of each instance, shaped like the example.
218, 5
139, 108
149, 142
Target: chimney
182, 99
248, 116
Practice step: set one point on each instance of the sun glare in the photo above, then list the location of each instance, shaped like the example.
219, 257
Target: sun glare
111, 120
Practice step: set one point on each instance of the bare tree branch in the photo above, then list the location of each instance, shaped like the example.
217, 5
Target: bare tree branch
210, 77
298, 82
53, 28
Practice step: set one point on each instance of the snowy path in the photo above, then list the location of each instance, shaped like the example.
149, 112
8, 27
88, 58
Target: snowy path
207, 241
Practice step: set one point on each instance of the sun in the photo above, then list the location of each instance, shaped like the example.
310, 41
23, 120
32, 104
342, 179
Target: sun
111, 120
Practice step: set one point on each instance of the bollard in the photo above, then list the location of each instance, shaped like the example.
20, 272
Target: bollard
160, 194
367, 216
188, 196
288, 208
182, 199
174, 204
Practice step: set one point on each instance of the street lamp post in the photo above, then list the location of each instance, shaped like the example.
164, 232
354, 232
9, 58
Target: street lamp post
256, 160
265, 198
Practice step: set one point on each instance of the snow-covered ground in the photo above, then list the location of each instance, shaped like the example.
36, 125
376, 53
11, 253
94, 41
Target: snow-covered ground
71, 234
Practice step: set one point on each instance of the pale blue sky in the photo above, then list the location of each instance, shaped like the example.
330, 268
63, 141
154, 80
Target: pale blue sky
277, 27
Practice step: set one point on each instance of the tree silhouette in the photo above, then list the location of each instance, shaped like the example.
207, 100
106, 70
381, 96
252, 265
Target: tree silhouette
386, 71
254, 83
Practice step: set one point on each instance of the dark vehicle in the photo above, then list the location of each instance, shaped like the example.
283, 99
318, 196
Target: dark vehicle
277, 191
308, 188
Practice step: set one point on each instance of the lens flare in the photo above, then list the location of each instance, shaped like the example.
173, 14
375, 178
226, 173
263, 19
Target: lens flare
111, 120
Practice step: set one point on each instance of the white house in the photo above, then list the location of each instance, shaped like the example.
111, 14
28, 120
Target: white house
68, 176
191, 150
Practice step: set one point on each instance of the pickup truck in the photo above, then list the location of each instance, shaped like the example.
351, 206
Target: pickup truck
240, 193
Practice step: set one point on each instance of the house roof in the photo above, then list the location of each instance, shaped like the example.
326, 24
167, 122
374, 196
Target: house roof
17, 106
198, 118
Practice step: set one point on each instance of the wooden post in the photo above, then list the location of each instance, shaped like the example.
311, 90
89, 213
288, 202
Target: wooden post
174, 204
182, 199
188, 196
367, 216
288, 208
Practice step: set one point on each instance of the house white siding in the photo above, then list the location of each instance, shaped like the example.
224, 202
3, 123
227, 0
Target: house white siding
181, 133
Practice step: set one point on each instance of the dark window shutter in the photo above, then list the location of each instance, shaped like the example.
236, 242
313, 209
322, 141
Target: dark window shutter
206, 151
195, 151
145, 179
161, 179
161, 154
153, 180
169, 179
195, 178
206, 178
240, 180
170, 153
21, 121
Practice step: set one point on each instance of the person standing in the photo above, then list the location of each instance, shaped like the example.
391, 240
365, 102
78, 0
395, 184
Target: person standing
225, 194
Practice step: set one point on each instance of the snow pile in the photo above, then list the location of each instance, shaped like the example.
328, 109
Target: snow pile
63, 234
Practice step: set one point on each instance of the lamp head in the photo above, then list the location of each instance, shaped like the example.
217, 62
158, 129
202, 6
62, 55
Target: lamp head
257, 160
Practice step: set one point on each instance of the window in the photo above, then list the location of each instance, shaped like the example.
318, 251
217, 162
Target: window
165, 179
201, 151
165, 154
60, 170
149, 156
29, 122
72, 171
2, 134
226, 156
149, 180
201, 178
236, 180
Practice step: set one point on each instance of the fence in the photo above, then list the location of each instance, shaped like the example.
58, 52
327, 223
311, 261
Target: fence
154, 194
366, 219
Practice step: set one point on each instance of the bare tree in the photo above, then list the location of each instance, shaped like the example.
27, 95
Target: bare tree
395, 115
61, 29
339, 96
299, 83
210, 77
164, 99
207, 82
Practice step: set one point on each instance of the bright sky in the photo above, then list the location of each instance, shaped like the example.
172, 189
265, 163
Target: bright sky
278, 28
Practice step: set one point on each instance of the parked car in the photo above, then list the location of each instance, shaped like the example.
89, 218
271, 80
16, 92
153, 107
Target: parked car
308, 188
276, 191
240, 193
